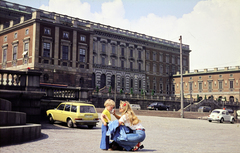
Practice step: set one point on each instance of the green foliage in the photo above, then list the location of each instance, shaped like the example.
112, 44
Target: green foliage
205, 97
152, 92
142, 92
121, 91
97, 89
197, 97
110, 89
131, 91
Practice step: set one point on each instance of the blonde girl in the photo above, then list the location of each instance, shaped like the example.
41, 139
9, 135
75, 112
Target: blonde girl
128, 118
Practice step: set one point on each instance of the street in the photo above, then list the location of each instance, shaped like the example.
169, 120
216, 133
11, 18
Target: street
163, 134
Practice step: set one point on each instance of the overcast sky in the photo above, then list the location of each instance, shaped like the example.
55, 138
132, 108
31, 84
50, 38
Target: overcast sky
210, 27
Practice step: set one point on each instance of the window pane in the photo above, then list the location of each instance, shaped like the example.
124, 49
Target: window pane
87, 109
26, 47
65, 52
46, 49
74, 108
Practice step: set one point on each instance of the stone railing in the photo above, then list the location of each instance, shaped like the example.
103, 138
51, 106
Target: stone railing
60, 91
20, 80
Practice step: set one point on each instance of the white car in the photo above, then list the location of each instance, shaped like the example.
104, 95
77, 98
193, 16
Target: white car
238, 114
135, 106
221, 116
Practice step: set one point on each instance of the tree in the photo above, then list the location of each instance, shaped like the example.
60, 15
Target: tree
142, 92
109, 89
197, 97
131, 91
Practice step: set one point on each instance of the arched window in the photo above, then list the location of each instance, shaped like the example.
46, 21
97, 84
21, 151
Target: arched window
113, 82
122, 83
131, 83
93, 81
103, 81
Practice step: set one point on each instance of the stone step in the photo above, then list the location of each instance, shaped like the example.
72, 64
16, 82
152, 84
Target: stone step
11, 118
5, 105
18, 134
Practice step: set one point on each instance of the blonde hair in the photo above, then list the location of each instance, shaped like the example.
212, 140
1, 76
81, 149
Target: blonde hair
109, 102
125, 105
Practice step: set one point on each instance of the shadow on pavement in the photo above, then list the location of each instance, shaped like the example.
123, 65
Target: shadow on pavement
63, 126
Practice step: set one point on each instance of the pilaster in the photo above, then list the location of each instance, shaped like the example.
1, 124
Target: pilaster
56, 46
74, 50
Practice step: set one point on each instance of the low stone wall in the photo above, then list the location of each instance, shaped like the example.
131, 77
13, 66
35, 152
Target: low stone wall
174, 114
5, 105
11, 118
18, 134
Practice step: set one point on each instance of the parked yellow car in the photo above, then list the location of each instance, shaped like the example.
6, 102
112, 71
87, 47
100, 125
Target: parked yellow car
74, 113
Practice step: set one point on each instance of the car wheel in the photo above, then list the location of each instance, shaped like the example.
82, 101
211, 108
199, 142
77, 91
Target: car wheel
50, 118
210, 120
69, 123
90, 126
233, 120
221, 120
156, 109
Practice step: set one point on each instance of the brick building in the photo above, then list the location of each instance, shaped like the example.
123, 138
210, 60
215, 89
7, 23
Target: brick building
217, 83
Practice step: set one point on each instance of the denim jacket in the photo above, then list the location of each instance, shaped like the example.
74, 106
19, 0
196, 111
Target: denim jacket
117, 132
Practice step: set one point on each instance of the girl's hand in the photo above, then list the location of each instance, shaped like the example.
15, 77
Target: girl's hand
113, 112
105, 124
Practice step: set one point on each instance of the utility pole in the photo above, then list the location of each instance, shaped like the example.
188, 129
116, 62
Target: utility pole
181, 70
115, 88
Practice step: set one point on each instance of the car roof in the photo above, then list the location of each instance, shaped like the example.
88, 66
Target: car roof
218, 110
77, 103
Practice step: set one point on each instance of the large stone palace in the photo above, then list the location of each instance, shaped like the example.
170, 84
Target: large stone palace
81, 54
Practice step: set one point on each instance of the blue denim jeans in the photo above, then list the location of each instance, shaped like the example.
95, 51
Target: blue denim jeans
105, 139
132, 139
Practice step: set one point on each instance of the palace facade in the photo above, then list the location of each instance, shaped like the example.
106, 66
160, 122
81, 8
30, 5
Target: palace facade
82, 54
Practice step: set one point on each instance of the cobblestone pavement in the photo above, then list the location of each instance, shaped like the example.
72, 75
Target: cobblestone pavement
166, 135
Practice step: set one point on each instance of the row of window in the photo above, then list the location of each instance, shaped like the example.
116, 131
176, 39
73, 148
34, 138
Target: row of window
167, 58
15, 35
113, 62
114, 51
65, 52
220, 76
65, 34
15, 51
210, 85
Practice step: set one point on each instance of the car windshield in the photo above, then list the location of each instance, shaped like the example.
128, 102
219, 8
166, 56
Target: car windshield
217, 112
87, 109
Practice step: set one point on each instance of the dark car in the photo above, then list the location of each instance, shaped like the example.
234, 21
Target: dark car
204, 109
158, 106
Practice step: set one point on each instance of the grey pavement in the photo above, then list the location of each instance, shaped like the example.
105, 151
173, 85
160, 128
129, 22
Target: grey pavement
166, 135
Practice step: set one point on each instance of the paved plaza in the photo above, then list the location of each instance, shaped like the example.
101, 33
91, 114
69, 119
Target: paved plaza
166, 135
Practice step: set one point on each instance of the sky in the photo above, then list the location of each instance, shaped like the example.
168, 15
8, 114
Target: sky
210, 27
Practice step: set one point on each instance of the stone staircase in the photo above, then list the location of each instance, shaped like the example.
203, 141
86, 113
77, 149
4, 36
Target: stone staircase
13, 127
194, 107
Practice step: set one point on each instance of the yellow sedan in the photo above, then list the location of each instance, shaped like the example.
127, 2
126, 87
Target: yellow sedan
74, 113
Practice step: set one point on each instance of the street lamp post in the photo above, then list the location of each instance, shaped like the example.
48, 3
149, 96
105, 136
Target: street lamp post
182, 115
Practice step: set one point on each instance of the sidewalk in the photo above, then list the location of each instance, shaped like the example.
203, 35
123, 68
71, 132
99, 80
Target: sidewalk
163, 134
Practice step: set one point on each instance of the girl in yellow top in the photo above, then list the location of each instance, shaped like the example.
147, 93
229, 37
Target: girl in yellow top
109, 104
